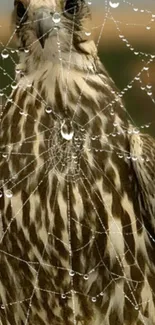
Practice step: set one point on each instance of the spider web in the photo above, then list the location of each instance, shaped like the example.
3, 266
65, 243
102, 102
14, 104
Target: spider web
67, 159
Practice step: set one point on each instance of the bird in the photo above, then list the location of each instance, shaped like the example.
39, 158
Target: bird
77, 202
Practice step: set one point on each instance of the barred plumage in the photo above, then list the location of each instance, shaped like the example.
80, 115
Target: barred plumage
76, 247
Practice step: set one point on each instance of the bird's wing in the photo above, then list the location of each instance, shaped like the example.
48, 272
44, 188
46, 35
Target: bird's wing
142, 149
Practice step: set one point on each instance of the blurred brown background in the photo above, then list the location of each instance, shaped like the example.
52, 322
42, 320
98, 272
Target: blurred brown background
126, 44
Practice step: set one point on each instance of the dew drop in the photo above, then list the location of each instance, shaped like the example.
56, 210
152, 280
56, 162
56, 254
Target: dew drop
135, 9
71, 273
63, 296
135, 131
86, 277
114, 5
89, 3
134, 158
67, 131
18, 71
56, 18
48, 109
10, 100
23, 113
1, 193
26, 50
136, 307
4, 155
87, 33
14, 85
8, 194
82, 129
93, 299
5, 54
102, 294
2, 307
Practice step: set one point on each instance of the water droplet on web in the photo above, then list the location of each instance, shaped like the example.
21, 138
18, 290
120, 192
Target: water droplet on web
146, 68
136, 307
48, 109
26, 50
4, 54
56, 18
10, 100
89, 3
87, 33
86, 277
134, 158
93, 299
135, 131
71, 273
14, 85
135, 9
23, 113
2, 307
4, 155
67, 131
1, 193
1, 93
8, 194
18, 71
63, 296
114, 5
102, 294
112, 112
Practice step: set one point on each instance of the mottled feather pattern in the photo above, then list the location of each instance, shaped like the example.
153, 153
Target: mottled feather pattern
75, 244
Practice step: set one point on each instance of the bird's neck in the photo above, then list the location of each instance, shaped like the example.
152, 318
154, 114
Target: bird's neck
79, 56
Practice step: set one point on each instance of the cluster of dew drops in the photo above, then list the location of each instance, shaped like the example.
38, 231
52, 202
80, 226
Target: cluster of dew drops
67, 132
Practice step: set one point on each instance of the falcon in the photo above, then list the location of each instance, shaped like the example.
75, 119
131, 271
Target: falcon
77, 190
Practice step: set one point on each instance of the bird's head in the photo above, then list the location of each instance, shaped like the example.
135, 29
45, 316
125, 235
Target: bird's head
50, 29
